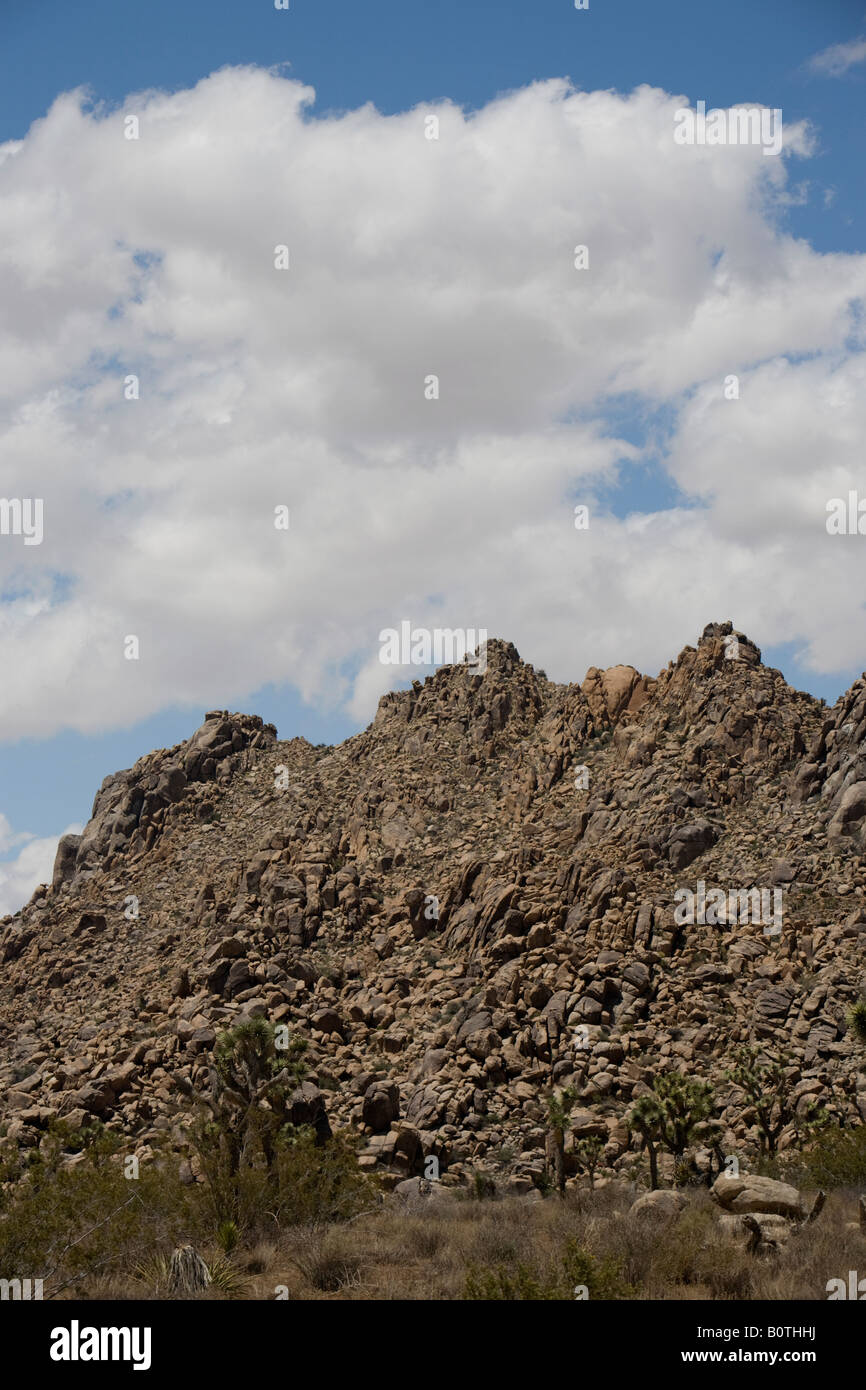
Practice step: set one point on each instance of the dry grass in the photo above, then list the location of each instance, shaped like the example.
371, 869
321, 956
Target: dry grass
395, 1254
426, 1253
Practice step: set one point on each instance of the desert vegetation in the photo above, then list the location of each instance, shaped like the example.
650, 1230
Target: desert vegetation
266, 1208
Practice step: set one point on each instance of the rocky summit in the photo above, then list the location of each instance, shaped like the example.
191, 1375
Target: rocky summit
502, 887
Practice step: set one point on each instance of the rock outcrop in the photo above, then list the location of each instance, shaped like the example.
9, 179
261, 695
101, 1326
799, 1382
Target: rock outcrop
479, 897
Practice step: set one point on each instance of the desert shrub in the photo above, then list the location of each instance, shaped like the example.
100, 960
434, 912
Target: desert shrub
837, 1158
515, 1283
227, 1237
495, 1242
260, 1257
226, 1278
320, 1183
64, 1223
304, 1182
679, 1256
483, 1187
694, 1254
324, 1262
258, 1167
236, 1189
856, 1019
520, 1281
730, 1272
424, 1238
154, 1273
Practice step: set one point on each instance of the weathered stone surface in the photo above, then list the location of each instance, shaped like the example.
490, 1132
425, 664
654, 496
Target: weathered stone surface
64, 861
381, 1105
663, 1203
754, 1193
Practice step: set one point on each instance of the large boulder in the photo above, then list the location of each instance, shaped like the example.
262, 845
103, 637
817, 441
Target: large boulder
849, 812
688, 841
64, 860
381, 1105
663, 1203
308, 1108
752, 1193
618, 690
417, 1193
425, 1107
96, 1097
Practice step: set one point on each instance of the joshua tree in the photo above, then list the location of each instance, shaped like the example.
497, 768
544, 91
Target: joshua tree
559, 1104
686, 1107
251, 1086
767, 1085
672, 1115
588, 1153
646, 1118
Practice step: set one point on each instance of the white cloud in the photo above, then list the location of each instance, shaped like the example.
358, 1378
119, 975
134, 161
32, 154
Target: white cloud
34, 864
306, 387
9, 838
839, 57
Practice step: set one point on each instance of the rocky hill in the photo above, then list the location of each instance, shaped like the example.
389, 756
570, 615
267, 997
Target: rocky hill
474, 900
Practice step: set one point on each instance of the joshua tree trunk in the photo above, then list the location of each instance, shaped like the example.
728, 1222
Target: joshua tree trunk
678, 1161
556, 1157
654, 1165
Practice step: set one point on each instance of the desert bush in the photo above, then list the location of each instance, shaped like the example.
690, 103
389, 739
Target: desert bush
693, 1254
64, 1223
259, 1168
579, 1269
304, 1181
227, 1237
856, 1019
837, 1159
324, 1261
424, 1238
483, 1187
319, 1184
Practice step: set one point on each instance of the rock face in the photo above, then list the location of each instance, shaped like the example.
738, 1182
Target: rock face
131, 808
478, 897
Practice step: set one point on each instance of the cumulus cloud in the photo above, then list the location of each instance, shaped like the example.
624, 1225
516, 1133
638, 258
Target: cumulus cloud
839, 57
408, 258
32, 865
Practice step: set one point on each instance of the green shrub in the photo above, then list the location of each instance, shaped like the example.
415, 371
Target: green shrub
836, 1159
227, 1236
857, 1019
305, 1182
483, 1187
64, 1224
519, 1282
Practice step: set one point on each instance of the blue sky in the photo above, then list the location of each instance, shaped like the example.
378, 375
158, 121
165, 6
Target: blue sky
397, 54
